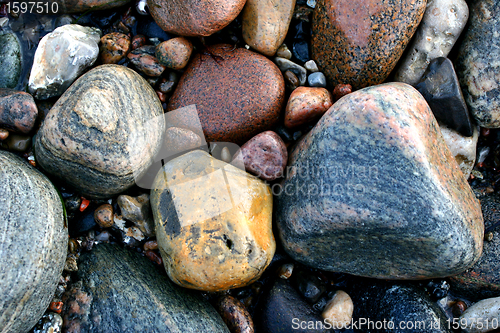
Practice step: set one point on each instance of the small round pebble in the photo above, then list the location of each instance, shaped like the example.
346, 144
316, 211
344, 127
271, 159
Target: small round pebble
235, 315
311, 66
284, 52
151, 245
17, 142
291, 80
317, 79
285, 271
103, 215
341, 90
174, 53
138, 41
4, 134
305, 105
114, 47
225, 155
339, 309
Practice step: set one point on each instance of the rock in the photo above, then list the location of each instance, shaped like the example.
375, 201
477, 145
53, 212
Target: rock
18, 110
192, 17
291, 80
174, 53
306, 105
283, 310
462, 148
50, 322
144, 60
138, 41
311, 66
138, 211
482, 316
130, 235
114, 47
440, 28
235, 315
301, 32
4, 134
482, 279
316, 79
213, 223
364, 51
308, 285
33, 246
265, 24
476, 63
109, 112
17, 142
10, 60
284, 52
120, 291
342, 177
80, 6
338, 310
285, 64
61, 57
237, 93
103, 215
265, 156
178, 140
83, 223
341, 90
440, 88
285, 271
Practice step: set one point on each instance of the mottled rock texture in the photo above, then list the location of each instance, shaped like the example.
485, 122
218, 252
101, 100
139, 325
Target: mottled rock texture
10, 60
114, 47
477, 63
359, 42
174, 53
237, 93
194, 17
18, 110
213, 223
34, 243
103, 132
373, 190
120, 291
306, 104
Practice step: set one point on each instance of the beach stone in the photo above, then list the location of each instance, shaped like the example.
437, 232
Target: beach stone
291, 80
213, 223
80, 6
463, 148
179, 140
235, 315
143, 58
103, 215
237, 93
114, 47
33, 246
339, 309
316, 79
18, 111
440, 28
482, 316
342, 178
440, 88
477, 63
10, 60
174, 53
287, 65
306, 105
265, 155
311, 66
103, 133
121, 291
362, 52
265, 24
138, 211
17, 142
341, 90
193, 17
61, 57
284, 52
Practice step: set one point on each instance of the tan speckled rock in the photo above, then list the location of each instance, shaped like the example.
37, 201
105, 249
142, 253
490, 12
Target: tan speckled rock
114, 47
174, 53
265, 24
306, 104
194, 17
339, 309
376, 177
359, 42
103, 132
213, 223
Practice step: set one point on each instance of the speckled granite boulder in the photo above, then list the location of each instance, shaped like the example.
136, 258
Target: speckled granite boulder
265, 24
359, 42
373, 190
194, 17
33, 246
238, 93
120, 291
79, 6
213, 223
10, 60
103, 132
477, 63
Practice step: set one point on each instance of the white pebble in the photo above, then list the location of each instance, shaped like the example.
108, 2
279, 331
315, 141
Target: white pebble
338, 311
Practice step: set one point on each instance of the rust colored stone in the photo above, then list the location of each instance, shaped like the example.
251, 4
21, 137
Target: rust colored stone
138, 41
306, 104
150, 245
18, 110
174, 53
114, 47
56, 306
154, 257
360, 41
4, 134
235, 315
238, 93
103, 215
341, 90
146, 63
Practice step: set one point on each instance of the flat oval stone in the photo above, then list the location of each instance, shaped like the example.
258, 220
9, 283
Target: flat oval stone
174, 53
482, 316
194, 17
18, 111
306, 105
33, 246
265, 24
103, 132
476, 64
377, 179
213, 223
120, 291
237, 93
10, 60
362, 51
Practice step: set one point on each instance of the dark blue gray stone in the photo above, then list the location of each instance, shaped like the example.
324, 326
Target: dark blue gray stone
10, 60
317, 79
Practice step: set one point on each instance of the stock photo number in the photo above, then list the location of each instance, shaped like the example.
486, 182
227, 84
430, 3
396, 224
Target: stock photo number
33, 7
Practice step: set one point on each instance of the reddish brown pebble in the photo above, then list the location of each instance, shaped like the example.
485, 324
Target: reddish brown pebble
291, 80
238, 93
85, 203
73, 246
162, 96
114, 47
265, 155
56, 306
103, 215
174, 53
138, 41
154, 257
146, 63
150, 245
458, 308
305, 105
235, 315
4, 134
341, 90
18, 110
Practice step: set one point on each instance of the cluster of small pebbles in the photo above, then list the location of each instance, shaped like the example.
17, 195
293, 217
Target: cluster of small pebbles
250, 166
